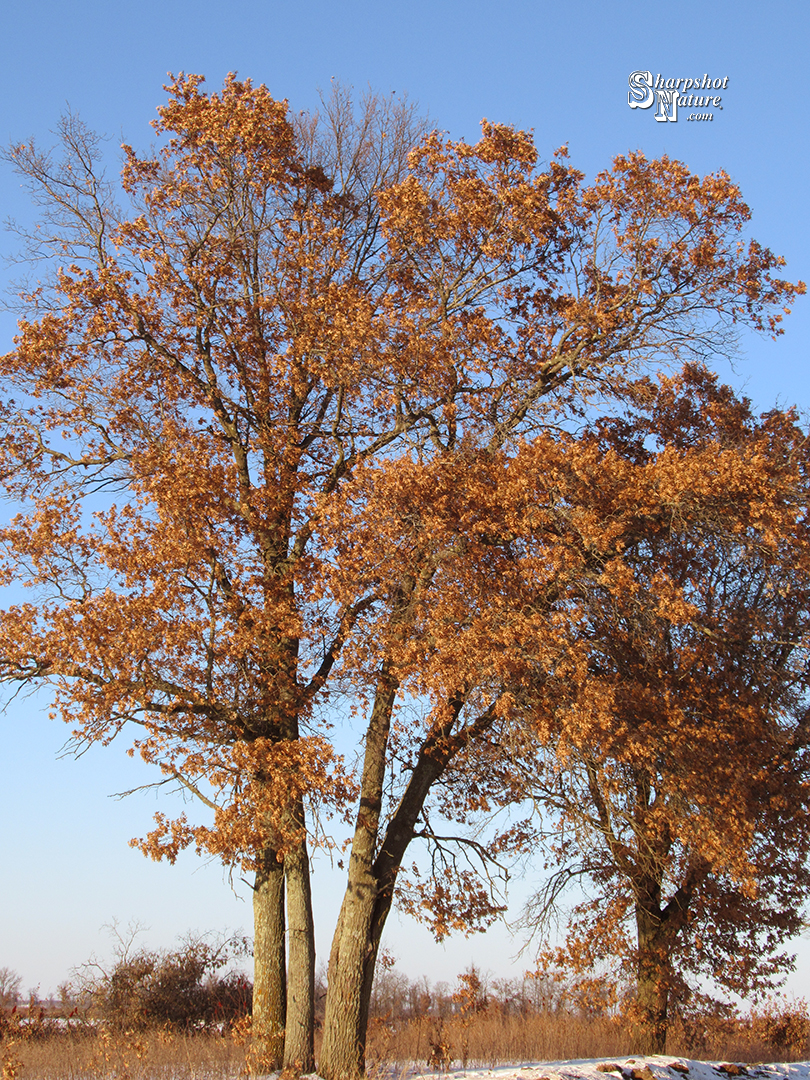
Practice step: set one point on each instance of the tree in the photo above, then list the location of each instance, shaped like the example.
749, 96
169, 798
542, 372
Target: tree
673, 762
210, 415
227, 418
10, 984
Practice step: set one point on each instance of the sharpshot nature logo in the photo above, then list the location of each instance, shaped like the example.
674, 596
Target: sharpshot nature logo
671, 94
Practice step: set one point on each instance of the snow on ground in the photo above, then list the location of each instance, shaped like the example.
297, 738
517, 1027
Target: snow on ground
636, 1068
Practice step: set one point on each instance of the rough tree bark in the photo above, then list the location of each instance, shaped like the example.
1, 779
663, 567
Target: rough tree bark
352, 946
373, 870
652, 983
299, 1048
269, 962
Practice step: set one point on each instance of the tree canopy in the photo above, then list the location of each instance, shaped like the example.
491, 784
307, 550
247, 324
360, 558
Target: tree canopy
254, 406
672, 761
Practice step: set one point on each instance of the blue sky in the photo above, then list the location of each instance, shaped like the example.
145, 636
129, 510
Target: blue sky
559, 69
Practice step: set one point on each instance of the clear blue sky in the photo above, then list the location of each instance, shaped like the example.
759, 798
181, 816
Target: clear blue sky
560, 69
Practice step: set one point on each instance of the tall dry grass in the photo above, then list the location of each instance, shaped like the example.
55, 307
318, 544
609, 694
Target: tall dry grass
487, 1038
491, 1037
482, 1038
104, 1053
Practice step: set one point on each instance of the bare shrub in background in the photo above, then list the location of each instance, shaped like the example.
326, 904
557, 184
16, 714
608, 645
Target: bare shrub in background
10, 986
185, 987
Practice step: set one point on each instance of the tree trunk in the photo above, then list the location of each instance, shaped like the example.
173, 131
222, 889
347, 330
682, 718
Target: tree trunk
269, 963
343, 1049
299, 1043
652, 983
370, 888
351, 968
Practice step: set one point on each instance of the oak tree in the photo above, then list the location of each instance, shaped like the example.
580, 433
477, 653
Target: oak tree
227, 419
673, 764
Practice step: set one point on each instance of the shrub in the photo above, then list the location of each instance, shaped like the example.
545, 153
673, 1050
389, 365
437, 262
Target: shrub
177, 988
786, 1026
10, 983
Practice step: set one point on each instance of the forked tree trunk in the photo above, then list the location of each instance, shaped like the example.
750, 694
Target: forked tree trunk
363, 914
371, 882
343, 1049
299, 1046
657, 925
366, 906
351, 960
269, 963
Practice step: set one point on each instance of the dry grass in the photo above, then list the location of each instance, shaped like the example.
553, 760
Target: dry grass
151, 1055
484, 1038
491, 1037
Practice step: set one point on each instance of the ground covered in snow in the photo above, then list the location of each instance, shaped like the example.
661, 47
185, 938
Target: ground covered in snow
638, 1068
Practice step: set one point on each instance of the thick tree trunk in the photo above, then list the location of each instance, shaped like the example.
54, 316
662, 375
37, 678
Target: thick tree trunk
269, 963
370, 888
343, 1049
653, 983
299, 1046
351, 968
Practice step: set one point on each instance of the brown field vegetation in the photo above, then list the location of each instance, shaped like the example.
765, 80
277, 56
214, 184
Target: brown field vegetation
474, 1024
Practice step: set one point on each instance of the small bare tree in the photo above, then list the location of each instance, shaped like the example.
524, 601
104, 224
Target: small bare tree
10, 984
